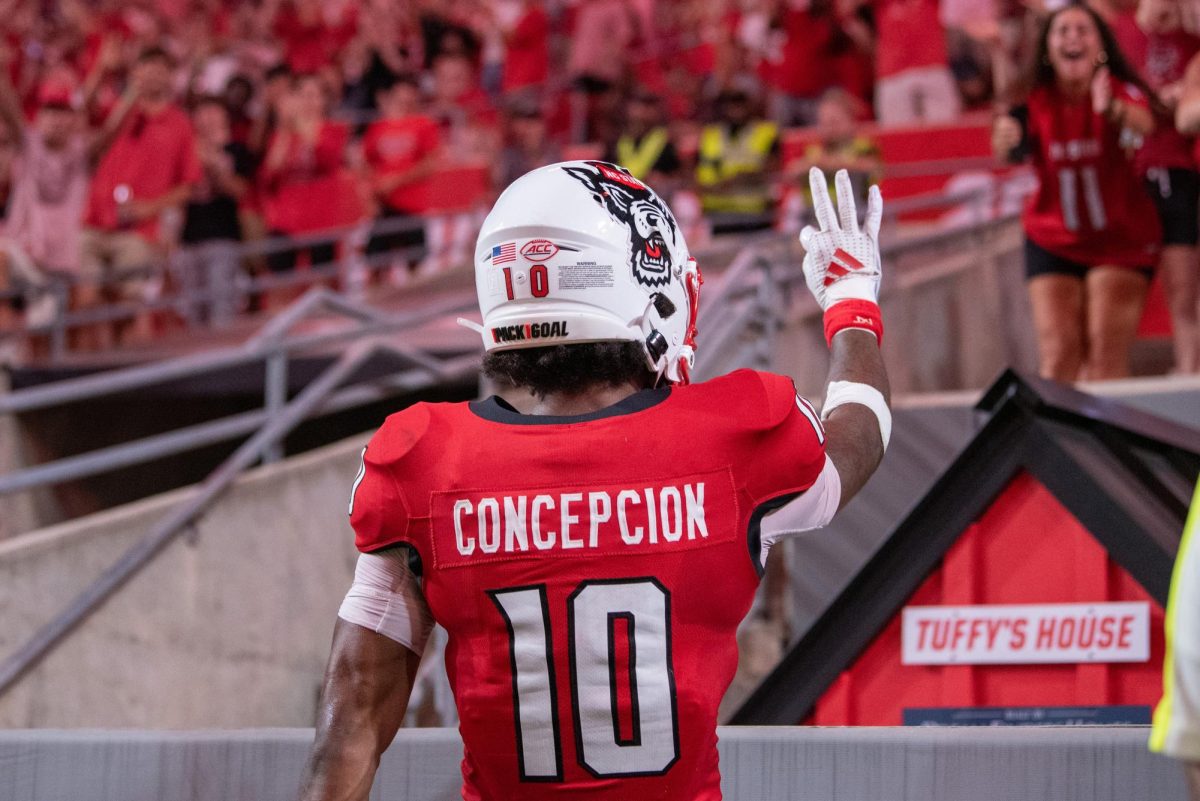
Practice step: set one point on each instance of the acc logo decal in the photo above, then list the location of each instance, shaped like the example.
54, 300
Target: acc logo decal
539, 249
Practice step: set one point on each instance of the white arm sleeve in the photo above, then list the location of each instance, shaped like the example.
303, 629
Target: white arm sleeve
386, 598
839, 393
813, 509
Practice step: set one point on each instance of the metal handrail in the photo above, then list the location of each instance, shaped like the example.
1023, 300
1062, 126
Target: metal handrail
189, 438
248, 285
946, 166
756, 292
935, 200
350, 269
270, 245
735, 282
256, 349
176, 521
271, 346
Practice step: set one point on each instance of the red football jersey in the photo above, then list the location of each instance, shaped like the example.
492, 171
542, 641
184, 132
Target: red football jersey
1091, 206
591, 572
393, 146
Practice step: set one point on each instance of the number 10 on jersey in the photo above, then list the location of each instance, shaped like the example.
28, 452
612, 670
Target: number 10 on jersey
619, 645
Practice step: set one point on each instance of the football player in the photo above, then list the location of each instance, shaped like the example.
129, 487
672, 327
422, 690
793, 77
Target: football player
590, 538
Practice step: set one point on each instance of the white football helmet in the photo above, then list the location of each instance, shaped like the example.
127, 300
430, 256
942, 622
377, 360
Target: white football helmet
582, 251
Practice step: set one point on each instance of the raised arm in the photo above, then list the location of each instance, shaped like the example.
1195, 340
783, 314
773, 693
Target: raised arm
1007, 134
853, 438
1123, 112
10, 103
108, 60
842, 268
1187, 112
102, 140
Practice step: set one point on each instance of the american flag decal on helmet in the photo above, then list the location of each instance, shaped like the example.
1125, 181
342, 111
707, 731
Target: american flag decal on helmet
502, 254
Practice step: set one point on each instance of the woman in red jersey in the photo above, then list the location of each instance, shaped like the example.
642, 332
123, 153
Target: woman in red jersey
1092, 232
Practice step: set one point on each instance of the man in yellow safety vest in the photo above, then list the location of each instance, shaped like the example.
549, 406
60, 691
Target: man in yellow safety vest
738, 155
645, 148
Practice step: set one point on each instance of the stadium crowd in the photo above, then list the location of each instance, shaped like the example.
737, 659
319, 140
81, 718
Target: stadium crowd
146, 132
284, 118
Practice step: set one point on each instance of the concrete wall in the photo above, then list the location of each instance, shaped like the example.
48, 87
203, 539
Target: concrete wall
229, 627
757, 764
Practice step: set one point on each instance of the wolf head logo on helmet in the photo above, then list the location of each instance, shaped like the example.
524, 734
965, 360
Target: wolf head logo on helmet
653, 233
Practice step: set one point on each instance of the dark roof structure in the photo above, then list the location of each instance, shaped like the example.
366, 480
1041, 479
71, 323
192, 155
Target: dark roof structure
1126, 475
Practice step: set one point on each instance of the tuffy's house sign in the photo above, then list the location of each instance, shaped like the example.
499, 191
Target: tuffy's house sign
1026, 634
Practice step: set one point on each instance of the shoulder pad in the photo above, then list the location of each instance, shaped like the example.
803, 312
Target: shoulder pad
780, 397
757, 400
399, 434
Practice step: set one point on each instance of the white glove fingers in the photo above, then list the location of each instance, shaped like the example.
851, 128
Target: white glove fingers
874, 213
806, 235
845, 201
822, 205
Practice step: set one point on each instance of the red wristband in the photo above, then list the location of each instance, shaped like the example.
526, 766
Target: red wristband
853, 314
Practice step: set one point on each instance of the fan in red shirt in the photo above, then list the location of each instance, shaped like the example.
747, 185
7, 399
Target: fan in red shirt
913, 84
802, 67
469, 121
1158, 46
1092, 234
1180, 276
401, 150
148, 170
591, 540
303, 186
313, 32
527, 49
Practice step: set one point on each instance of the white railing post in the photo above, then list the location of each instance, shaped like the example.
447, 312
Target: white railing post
275, 385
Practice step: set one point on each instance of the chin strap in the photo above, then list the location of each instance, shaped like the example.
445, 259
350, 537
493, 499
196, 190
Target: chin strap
471, 324
692, 281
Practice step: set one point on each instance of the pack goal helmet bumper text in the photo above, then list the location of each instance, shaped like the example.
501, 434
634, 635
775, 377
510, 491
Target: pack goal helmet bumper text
581, 251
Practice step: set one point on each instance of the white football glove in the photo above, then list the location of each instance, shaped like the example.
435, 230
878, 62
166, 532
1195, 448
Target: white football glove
841, 262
